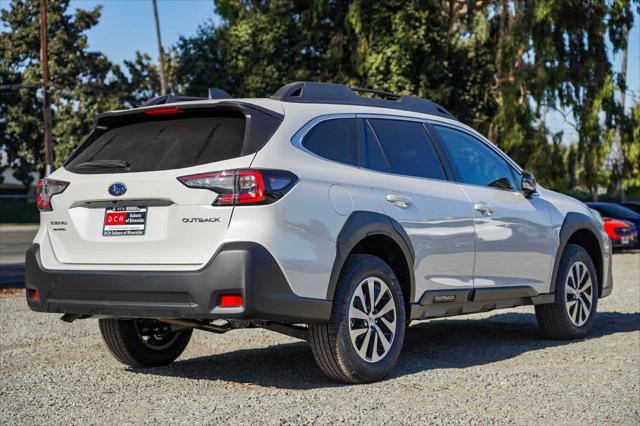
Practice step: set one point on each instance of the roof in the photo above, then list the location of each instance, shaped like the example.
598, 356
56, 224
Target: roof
325, 93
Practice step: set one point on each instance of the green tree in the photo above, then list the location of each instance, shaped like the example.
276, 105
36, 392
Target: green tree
83, 82
498, 65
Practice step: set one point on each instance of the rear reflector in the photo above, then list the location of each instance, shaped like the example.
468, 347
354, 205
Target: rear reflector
33, 295
163, 111
230, 301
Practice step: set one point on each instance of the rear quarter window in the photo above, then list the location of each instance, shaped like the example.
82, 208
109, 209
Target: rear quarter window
334, 140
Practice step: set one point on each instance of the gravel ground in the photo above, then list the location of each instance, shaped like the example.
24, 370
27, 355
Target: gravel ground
479, 369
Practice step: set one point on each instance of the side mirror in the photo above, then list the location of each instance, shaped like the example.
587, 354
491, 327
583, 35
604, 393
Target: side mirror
528, 184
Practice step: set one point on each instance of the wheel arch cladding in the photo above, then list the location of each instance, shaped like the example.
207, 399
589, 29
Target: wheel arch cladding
582, 230
379, 235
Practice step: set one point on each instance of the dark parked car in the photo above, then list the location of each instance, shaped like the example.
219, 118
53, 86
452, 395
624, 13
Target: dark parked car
633, 205
616, 211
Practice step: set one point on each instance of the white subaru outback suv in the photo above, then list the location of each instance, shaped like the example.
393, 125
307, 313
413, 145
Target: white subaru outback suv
318, 213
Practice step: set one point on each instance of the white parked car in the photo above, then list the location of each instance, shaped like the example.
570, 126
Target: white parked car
318, 213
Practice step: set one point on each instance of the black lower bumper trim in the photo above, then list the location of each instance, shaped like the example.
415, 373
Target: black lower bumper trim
237, 268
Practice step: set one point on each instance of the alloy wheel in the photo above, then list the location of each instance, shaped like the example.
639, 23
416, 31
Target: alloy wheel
155, 334
372, 319
578, 292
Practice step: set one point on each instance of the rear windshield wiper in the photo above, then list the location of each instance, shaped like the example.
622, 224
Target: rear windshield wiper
107, 164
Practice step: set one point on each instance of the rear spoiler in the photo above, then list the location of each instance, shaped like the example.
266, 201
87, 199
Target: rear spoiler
214, 93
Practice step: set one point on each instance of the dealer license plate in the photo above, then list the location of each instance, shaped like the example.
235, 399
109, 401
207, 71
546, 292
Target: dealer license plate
124, 221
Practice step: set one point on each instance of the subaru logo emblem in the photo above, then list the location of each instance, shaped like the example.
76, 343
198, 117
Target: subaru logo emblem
117, 189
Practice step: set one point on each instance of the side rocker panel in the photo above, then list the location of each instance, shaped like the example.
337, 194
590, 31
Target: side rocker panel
360, 225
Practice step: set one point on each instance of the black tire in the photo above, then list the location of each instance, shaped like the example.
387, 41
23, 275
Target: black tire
124, 340
331, 342
554, 318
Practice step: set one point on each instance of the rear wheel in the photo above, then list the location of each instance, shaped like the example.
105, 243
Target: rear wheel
576, 297
143, 342
362, 341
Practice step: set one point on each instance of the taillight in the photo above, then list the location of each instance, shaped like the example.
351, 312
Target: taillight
243, 187
47, 188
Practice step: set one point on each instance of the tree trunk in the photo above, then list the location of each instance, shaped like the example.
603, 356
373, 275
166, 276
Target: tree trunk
620, 149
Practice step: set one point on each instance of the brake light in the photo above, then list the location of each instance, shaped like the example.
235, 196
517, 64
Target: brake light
243, 187
46, 189
163, 111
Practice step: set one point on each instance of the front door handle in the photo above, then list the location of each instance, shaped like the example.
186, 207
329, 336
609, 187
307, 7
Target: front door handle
398, 200
483, 208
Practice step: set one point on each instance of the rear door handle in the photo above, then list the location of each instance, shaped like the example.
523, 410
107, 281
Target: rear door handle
398, 200
483, 208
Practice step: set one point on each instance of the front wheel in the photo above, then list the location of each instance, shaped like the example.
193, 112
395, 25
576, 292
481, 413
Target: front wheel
362, 341
576, 297
143, 342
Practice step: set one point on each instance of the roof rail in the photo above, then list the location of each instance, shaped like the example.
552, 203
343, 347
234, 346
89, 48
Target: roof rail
330, 93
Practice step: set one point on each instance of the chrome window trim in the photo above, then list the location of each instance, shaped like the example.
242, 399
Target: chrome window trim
298, 137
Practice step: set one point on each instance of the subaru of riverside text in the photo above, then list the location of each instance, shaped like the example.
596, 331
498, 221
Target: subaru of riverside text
330, 214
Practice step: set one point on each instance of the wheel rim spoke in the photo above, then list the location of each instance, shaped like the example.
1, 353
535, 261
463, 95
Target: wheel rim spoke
365, 345
386, 308
372, 327
359, 295
356, 313
574, 315
374, 350
386, 344
355, 333
391, 325
372, 292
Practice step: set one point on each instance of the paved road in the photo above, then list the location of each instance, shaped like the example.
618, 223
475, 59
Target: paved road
14, 242
491, 368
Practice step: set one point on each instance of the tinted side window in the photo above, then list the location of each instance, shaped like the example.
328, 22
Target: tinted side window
408, 148
334, 140
475, 163
374, 157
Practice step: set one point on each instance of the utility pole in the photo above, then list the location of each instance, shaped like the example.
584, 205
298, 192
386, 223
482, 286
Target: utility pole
46, 104
163, 80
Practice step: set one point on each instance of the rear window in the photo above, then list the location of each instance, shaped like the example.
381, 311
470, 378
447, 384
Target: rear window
162, 144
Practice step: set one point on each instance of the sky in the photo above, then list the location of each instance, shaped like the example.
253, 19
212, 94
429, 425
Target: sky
128, 25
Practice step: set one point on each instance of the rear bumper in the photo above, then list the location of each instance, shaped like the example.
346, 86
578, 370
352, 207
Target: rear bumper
631, 242
237, 268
